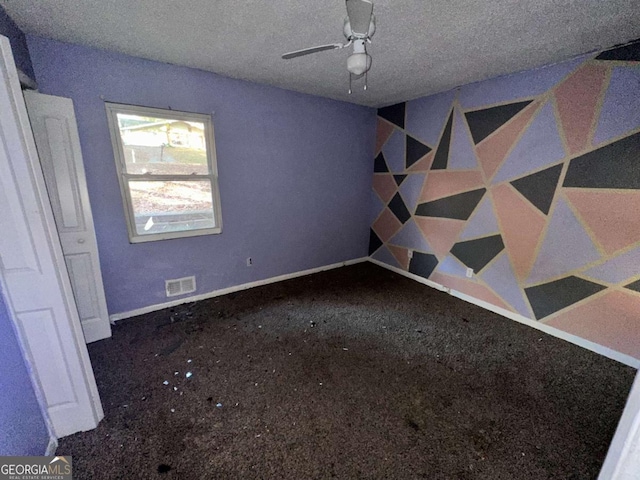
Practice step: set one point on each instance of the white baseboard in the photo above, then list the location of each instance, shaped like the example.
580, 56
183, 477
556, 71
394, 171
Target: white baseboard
51, 447
410, 275
581, 342
224, 291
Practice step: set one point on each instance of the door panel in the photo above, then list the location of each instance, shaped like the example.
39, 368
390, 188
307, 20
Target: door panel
48, 357
21, 243
54, 127
58, 169
80, 267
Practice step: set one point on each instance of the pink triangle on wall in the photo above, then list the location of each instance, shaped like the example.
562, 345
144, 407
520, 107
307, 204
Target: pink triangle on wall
443, 183
521, 227
612, 216
383, 132
441, 233
577, 100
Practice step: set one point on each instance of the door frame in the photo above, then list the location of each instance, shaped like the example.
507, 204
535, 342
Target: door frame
623, 458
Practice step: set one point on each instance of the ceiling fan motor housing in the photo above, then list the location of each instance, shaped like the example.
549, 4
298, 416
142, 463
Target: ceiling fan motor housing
349, 34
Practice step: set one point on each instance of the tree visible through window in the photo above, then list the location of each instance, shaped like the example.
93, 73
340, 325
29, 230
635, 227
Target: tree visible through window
167, 168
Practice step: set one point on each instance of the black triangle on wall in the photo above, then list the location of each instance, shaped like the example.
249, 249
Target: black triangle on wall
612, 166
550, 297
399, 209
441, 159
477, 253
415, 151
380, 164
423, 264
399, 179
483, 123
374, 241
626, 53
539, 187
458, 206
634, 286
393, 113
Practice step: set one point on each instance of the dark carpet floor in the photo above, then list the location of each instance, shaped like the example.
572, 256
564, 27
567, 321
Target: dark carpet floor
351, 373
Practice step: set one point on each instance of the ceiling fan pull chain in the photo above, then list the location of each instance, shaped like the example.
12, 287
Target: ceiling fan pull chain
366, 71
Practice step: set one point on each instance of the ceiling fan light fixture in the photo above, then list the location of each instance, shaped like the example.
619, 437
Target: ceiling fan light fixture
359, 63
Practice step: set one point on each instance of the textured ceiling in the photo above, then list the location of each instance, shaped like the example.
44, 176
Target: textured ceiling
419, 48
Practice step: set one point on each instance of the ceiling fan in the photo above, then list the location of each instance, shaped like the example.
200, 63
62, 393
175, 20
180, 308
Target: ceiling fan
359, 26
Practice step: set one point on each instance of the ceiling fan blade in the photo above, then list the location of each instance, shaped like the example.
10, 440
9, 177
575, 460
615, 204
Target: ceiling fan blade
359, 12
307, 51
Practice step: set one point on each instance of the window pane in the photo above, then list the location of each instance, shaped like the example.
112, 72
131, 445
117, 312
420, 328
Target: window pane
162, 146
176, 206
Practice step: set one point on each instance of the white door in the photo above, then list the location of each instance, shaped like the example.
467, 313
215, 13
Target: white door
623, 458
33, 272
53, 122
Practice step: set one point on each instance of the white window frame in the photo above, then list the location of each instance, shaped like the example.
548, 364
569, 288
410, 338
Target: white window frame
124, 178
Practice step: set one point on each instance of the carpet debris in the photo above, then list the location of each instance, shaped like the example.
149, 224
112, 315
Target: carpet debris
171, 348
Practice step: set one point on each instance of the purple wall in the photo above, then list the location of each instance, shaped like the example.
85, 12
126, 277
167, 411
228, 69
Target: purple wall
22, 427
295, 172
18, 43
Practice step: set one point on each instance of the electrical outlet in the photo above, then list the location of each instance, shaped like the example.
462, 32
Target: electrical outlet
249, 262
469, 272
410, 254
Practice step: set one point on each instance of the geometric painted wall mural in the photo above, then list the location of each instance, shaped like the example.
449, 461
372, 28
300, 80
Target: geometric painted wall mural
532, 181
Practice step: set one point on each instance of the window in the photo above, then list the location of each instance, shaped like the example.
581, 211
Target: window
167, 170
